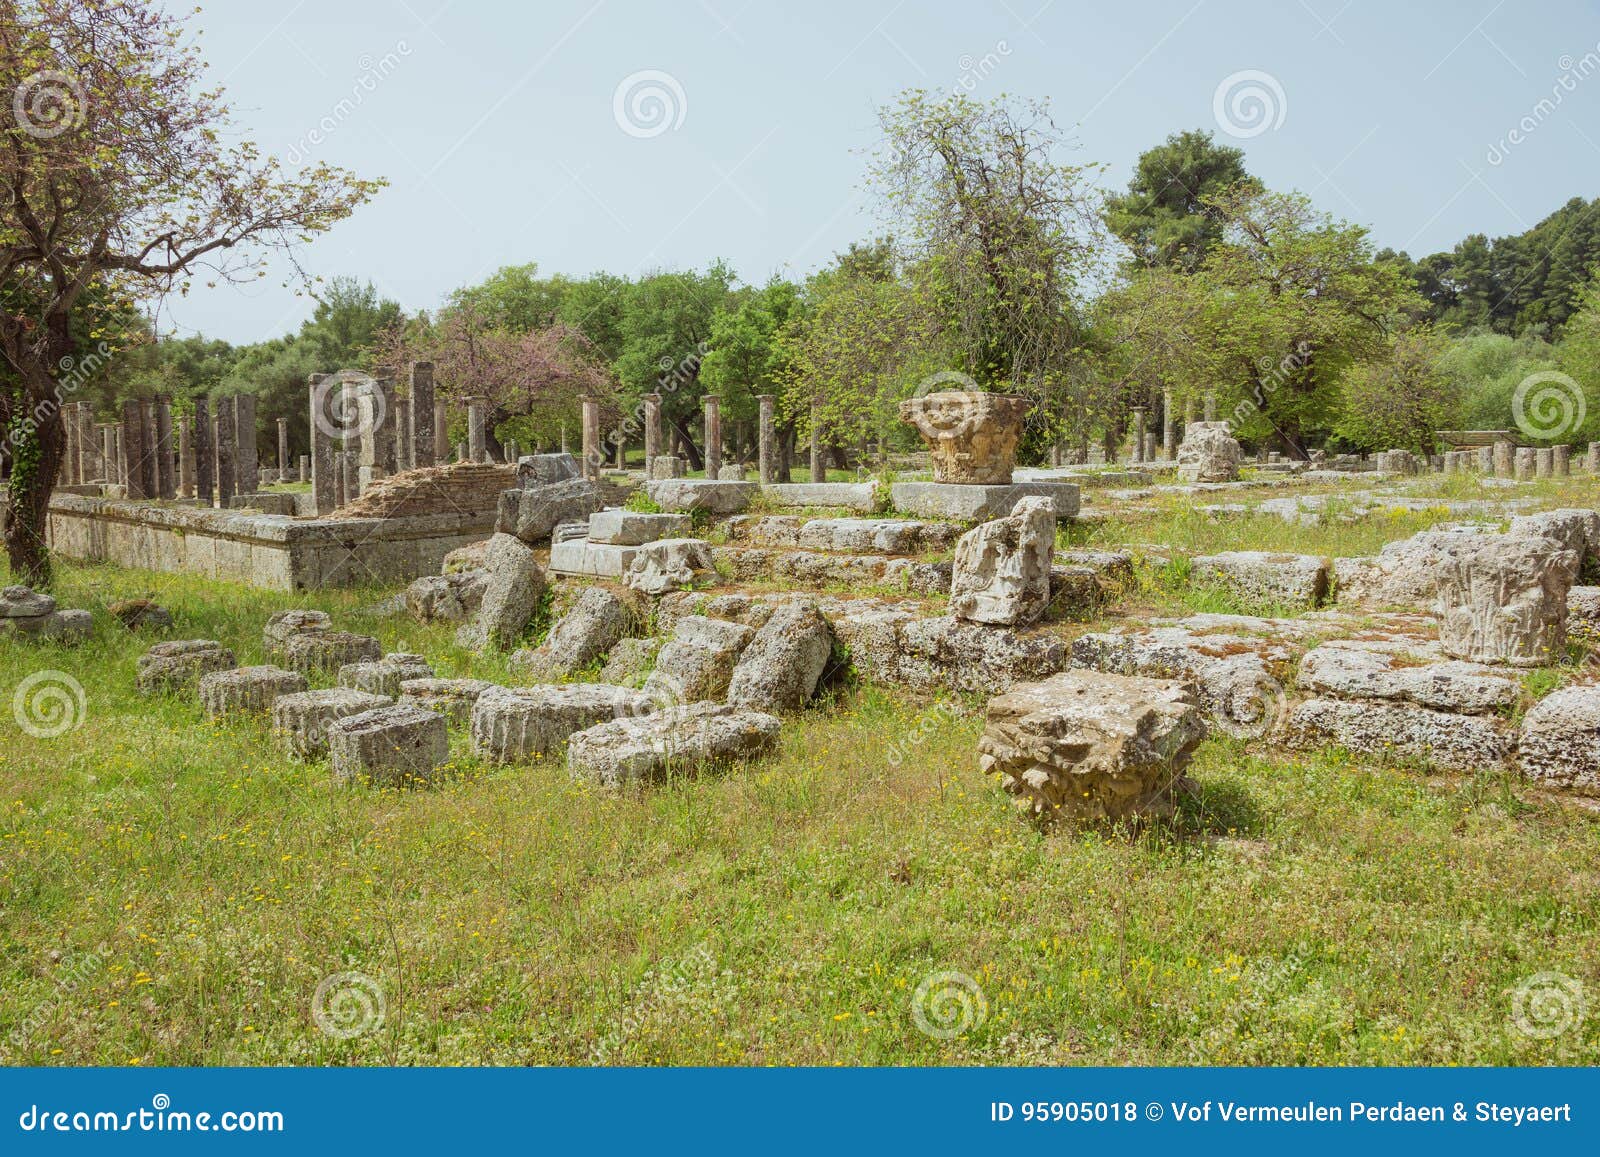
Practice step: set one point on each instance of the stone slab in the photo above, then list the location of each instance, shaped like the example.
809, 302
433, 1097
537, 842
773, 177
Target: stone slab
862, 496
580, 556
978, 503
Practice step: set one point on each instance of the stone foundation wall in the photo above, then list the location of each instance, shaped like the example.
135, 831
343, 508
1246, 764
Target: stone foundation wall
272, 551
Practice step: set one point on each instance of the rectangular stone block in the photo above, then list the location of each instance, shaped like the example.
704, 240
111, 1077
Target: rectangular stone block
631, 528
862, 496
579, 556
976, 503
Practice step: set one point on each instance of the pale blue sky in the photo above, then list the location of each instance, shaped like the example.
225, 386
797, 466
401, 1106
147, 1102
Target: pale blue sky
496, 125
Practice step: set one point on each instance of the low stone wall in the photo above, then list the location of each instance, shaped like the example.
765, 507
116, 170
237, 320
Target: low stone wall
272, 551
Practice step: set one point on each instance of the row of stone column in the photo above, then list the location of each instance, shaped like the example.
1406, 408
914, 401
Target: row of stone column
362, 430
594, 456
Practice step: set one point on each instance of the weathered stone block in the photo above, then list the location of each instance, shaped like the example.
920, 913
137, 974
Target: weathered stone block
384, 676
452, 698
301, 718
392, 746
1560, 741
589, 629
1001, 571
517, 724
697, 663
1208, 453
246, 690
634, 528
976, 503
668, 565
452, 597
971, 435
532, 513
1299, 580
311, 652
675, 741
780, 668
178, 665
1503, 598
1459, 742
513, 586
284, 625
689, 494
1088, 747
1352, 672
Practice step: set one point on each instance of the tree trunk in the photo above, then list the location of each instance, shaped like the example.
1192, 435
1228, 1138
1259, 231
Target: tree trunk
35, 463
691, 451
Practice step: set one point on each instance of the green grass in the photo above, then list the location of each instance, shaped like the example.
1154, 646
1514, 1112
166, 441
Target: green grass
174, 893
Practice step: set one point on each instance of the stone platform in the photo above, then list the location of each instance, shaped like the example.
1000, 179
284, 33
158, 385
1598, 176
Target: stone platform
971, 502
265, 550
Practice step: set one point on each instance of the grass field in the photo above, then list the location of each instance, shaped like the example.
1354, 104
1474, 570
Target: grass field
176, 892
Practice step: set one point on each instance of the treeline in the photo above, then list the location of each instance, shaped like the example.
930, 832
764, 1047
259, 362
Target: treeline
1000, 266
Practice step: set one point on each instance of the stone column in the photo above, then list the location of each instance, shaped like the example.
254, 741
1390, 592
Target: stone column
1524, 463
767, 448
305, 467
819, 468
1169, 426
166, 480
226, 433
591, 439
1486, 460
247, 459
205, 454
441, 432
324, 470
1504, 459
108, 451
421, 413
88, 452
72, 460
477, 428
712, 406
283, 449
1138, 433
376, 404
1563, 460
185, 458
133, 449
1592, 462
652, 431
1543, 462
402, 434
1211, 407
152, 451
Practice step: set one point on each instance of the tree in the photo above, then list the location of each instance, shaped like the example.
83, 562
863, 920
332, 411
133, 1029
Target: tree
344, 327
1164, 216
999, 228
665, 326
745, 359
117, 179
1401, 399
